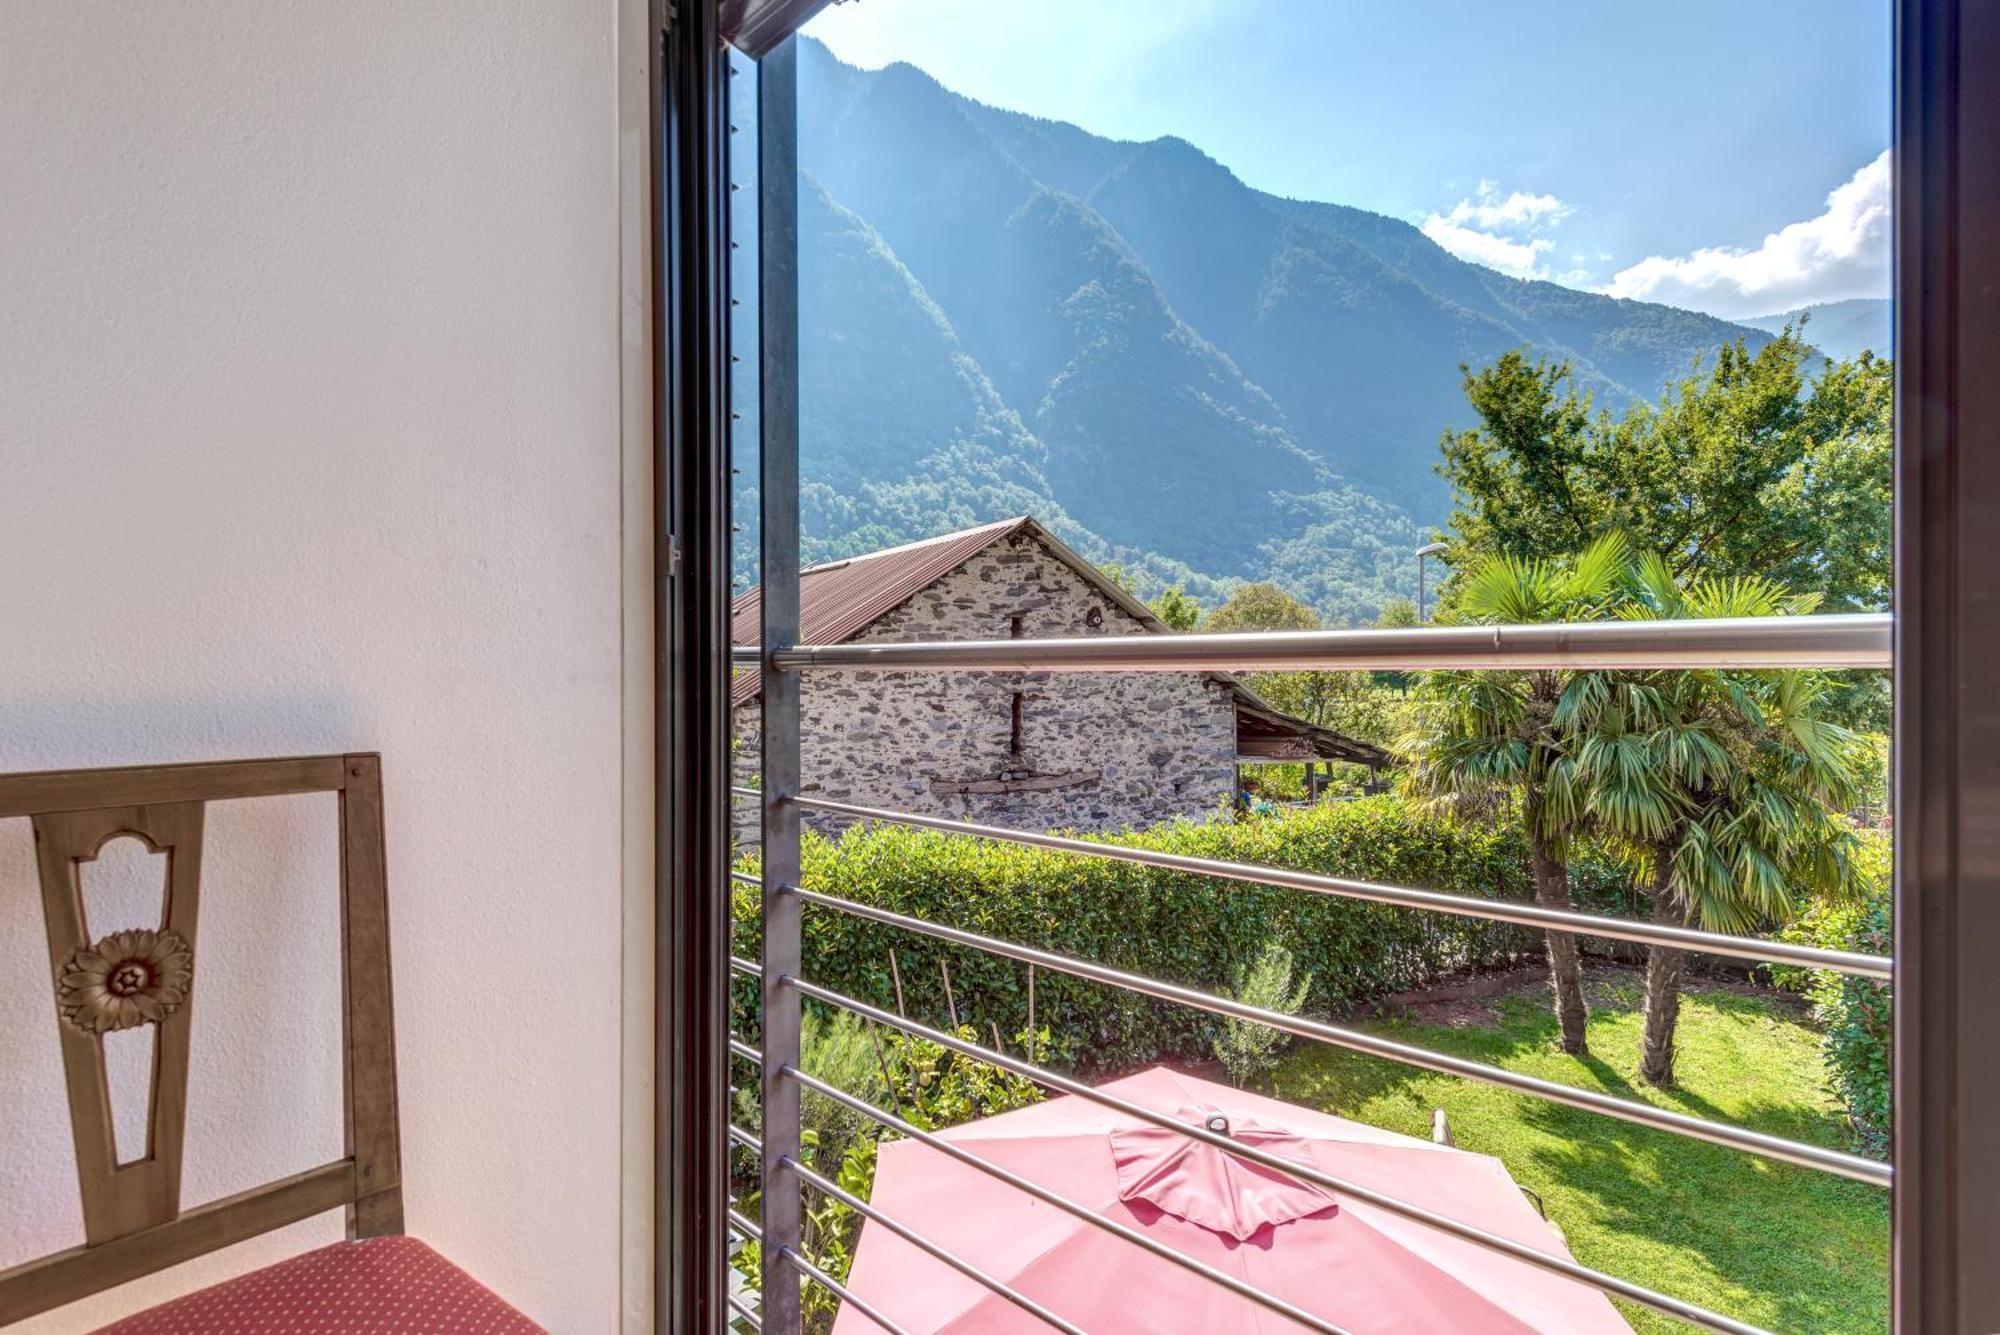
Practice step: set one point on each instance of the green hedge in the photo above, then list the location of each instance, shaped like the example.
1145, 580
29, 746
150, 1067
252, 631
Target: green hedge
1856, 1012
1184, 928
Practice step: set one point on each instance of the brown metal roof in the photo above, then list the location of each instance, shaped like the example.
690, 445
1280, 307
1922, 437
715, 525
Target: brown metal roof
840, 599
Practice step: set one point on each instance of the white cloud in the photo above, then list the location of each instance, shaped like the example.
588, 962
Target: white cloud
1497, 230
1843, 252
1489, 212
1521, 259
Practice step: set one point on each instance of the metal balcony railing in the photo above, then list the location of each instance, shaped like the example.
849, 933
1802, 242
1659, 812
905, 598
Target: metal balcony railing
1520, 914
1834, 641
1861, 641
1851, 640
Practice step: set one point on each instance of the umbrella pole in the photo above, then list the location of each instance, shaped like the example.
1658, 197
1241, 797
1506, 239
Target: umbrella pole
882, 1060
1031, 1012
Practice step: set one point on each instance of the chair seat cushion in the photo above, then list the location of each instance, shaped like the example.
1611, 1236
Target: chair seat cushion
378, 1286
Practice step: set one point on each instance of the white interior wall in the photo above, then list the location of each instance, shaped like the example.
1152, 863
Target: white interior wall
310, 424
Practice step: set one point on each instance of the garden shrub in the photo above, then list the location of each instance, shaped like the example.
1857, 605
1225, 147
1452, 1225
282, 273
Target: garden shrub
925, 1083
1249, 1050
835, 1047
1856, 1012
1184, 928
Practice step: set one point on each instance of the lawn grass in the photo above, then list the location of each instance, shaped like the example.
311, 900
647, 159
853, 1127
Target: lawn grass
1785, 1248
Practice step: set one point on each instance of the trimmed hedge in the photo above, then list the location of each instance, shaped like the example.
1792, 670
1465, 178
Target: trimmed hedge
1857, 1013
1194, 930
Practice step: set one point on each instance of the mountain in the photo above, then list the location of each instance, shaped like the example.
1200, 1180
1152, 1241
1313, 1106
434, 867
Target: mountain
1840, 329
1200, 381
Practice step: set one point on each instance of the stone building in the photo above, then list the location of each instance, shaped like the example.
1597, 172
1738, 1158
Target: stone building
1090, 751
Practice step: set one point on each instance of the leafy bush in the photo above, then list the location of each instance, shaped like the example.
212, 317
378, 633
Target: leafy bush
1246, 1049
1857, 1012
924, 1083
837, 1048
1195, 930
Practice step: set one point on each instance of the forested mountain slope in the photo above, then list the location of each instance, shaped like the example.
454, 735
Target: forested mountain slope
1196, 379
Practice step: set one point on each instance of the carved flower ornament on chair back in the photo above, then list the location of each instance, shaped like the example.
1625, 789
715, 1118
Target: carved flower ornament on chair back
133, 1219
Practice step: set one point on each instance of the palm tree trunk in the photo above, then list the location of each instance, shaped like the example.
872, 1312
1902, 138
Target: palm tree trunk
1664, 967
1565, 959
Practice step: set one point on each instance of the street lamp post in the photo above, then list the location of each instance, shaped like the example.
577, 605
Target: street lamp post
1433, 549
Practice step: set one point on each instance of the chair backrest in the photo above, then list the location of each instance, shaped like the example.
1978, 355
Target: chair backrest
132, 1216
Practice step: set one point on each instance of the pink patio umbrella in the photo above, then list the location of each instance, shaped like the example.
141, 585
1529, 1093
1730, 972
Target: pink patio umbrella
1355, 1265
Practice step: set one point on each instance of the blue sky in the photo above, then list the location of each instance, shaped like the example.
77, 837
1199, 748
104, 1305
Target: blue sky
1730, 157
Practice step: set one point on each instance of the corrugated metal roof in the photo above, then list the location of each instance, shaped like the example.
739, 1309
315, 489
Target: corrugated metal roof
840, 599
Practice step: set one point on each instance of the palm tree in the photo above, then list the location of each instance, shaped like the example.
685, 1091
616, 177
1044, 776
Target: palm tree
1483, 739
1720, 786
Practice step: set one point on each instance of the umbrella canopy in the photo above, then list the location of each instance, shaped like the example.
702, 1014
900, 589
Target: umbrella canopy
1358, 1266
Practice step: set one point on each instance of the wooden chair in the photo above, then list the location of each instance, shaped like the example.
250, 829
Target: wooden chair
379, 1280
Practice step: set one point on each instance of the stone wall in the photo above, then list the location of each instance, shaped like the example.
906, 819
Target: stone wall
1098, 751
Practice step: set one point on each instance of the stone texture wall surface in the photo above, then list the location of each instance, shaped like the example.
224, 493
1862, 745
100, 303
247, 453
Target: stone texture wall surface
1097, 751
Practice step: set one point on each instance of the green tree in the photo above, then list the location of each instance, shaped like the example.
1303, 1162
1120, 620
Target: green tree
1720, 786
1487, 739
1840, 489
1523, 480
1397, 614
1748, 466
1176, 609
1348, 701
1115, 572
1261, 607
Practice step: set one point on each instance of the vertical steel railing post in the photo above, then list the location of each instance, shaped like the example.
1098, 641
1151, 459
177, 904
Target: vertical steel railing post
778, 297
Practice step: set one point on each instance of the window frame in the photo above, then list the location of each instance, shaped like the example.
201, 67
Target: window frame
1946, 1199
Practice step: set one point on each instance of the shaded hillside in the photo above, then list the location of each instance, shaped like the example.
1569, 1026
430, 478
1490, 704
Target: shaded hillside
1205, 382
1840, 329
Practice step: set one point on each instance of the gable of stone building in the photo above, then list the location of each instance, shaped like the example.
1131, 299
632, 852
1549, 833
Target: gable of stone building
1017, 575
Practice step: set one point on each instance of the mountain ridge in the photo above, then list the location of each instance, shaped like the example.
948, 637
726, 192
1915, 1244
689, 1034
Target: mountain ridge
1839, 329
1198, 380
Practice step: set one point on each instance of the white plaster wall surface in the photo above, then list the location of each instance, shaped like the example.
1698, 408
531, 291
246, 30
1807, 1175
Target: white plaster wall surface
309, 441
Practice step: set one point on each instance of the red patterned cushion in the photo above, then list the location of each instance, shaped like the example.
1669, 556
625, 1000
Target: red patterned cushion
378, 1286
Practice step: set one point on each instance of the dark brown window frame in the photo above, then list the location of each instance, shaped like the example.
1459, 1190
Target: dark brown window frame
1946, 1204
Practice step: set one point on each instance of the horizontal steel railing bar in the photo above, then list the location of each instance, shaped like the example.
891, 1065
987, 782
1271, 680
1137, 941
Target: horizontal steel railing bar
746, 1052
745, 1139
755, 794
745, 1225
745, 878
924, 1244
1068, 1206
1759, 1143
1464, 906
743, 966
1597, 1279
736, 1306
1848, 640
840, 1291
